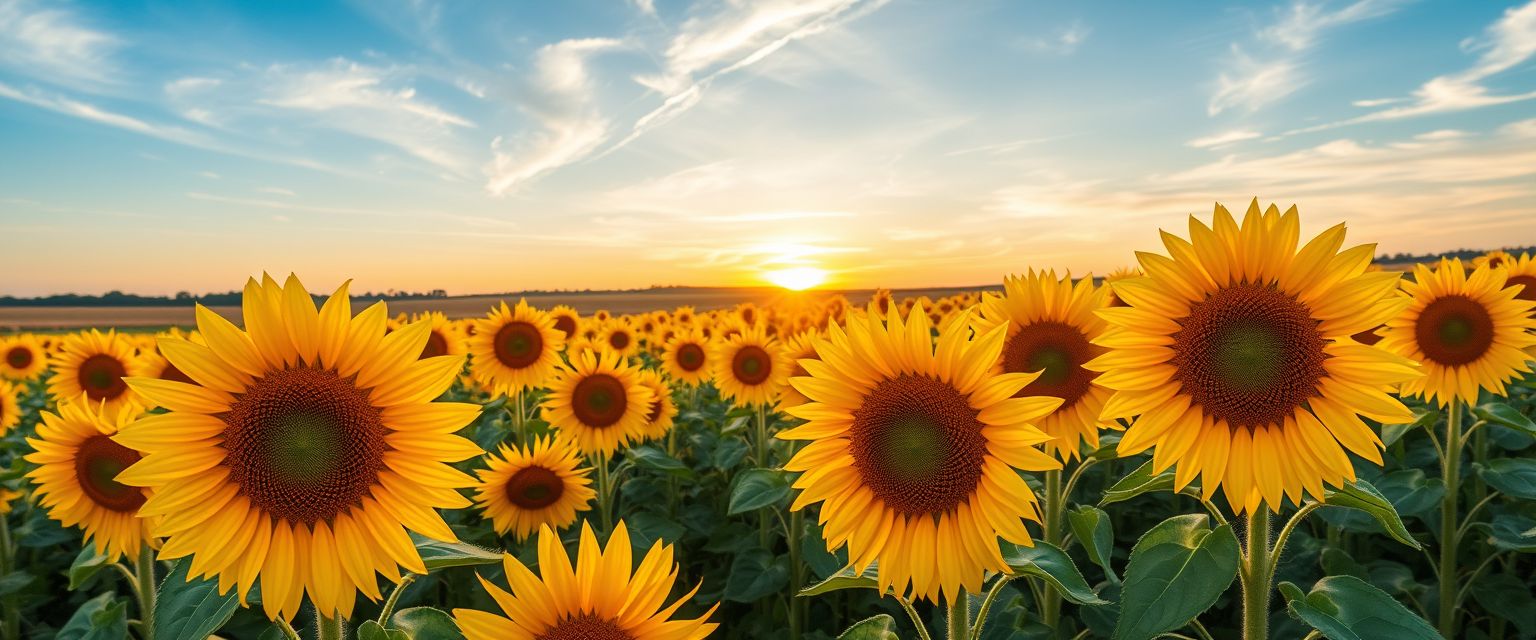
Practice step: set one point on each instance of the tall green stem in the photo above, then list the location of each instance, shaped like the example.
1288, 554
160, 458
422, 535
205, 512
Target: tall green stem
394, 598
1450, 472
960, 617
1255, 576
145, 571
761, 457
329, 628
797, 569
520, 420
1055, 508
604, 493
11, 627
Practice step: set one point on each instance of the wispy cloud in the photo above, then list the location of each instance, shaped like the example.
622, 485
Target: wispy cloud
52, 44
1223, 139
86, 111
1062, 41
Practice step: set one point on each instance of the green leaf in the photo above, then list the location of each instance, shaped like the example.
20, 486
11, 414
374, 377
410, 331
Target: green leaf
1511, 532
845, 579
86, 565
426, 623
757, 488
1176, 571
755, 574
1503, 414
437, 554
371, 630
1141, 480
1508, 597
1360, 495
14, 581
655, 459
1050, 563
1514, 477
1423, 417
1092, 528
191, 610
1348, 608
100, 618
881, 627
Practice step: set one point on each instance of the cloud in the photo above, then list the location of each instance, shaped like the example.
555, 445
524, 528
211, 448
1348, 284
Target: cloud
1223, 139
278, 191
52, 45
647, 7
1304, 22
1251, 84
1063, 42
1003, 147
1377, 102
210, 175
85, 111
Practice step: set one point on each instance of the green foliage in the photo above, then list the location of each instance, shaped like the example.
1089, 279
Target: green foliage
1347, 608
1176, 571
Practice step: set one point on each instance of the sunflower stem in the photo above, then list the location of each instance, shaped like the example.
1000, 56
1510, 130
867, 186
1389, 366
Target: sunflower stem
145, 571
1055, 499
917, 620
394, 597
1450, 472
762, 463
604, 493
521, 421
329, 628
11, 626
1255, 576
288, 631
796, 605
959, 621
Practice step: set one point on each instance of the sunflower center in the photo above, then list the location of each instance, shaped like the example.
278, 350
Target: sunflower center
751, 365
534, 488
518, 344
618, 340
917, 443
19, 357
1454, 330
566, 325
690, 357
304, 444
585, 626
1249, 354
1057, 350
599, 400
1527, 291
437, 345
101, 377
97, 463
1368, 337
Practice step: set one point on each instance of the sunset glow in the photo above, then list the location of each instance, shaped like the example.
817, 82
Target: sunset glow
797, 278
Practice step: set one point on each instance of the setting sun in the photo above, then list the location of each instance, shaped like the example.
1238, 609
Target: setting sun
797, 278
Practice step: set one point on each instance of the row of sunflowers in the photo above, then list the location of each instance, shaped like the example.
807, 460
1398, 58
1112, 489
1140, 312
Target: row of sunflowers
1055, 458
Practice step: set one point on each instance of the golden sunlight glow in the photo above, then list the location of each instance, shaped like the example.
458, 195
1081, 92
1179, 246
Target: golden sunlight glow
797, 278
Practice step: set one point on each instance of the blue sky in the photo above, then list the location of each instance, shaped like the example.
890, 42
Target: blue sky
491, 146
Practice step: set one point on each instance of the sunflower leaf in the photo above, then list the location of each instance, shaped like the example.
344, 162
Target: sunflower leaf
426, 623
1048, 562
103, 617
1092, 528
1176, 571
845, 579
437, 554
881, 627
1139, 481
757, 488
657, 460
756, 574
1514, 477
371, 630
1503, 414
191, 609
86, 565
1348, 608
1361, 495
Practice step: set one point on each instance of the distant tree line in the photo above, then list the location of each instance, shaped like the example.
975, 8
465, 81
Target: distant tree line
1464, 254
183, 298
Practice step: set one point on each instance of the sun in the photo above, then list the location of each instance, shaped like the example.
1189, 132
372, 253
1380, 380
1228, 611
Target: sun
797, 278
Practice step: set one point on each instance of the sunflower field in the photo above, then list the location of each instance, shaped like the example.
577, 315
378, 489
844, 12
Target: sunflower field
1252, 434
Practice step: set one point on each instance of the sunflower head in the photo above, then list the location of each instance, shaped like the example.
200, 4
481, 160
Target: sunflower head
567, 320
515, 348
598, 402
96, 364
1235, 353
1493, 259
914, 451
686, 356
750, 367
22, 357
1522, 275
10, 406
1467, 330
662, 410
800, 347
305, 447
619, 336
525, 488
445, 338
77, 471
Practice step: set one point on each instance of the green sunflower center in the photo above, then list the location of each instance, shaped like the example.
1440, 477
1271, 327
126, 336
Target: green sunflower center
1454, 330
518, 344
690, 357
1057, 350
917, 444
97, 463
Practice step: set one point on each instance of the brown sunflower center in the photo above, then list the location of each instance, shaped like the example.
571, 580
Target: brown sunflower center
304, 444
585, 627
101, 377
599, 400
566, 325
21, 357
1249, 354
619, 340
437, 345
170, 372
97, 463
1057, 350
518, 344
1454, 330
917, 444
1526, 283
534, 488
690, 357
1368, 337
654, 413
751, 365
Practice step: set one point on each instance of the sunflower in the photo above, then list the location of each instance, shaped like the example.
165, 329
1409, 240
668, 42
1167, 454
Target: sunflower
22, 357
96, 364
1235, 353
598, 598
1115, 276
800, 347
750, 367
915, 451
8, 499
662, 411
1492, 259
307, 448
445, 338
76, 477
155, 364
598, 401
684, 315
1051, 325
540, 485
10, 407
686, 357
1466, 331
566, 320
1522, 274
618, 336
514, 349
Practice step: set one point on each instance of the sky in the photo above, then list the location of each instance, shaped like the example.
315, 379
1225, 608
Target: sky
164, 146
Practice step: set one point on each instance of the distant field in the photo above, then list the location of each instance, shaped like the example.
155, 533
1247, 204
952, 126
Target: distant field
144, 318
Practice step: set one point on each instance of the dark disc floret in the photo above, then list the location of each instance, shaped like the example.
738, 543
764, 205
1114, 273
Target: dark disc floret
1057, 350
917, 444
1454, 330
98, 461
101, 377
751, 365
534, 487
518, 344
